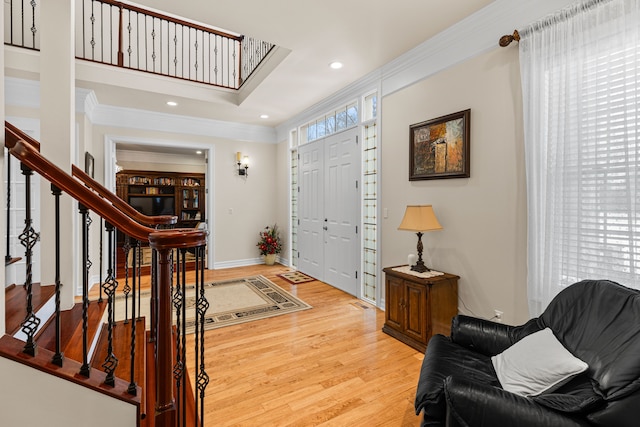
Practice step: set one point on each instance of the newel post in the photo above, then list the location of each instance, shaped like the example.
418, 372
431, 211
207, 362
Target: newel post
165, 402
163, 242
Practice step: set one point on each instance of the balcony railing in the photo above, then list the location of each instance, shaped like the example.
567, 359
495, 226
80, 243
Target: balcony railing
124, 35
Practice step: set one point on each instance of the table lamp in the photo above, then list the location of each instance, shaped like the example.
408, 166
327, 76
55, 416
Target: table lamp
419, 218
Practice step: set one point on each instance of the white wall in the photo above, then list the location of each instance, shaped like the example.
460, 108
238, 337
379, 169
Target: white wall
483, 217
60, 403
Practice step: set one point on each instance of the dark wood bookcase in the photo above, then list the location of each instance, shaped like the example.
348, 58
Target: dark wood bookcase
165, 193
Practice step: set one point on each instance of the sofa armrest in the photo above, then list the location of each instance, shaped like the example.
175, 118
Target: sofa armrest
487, 337
472, 404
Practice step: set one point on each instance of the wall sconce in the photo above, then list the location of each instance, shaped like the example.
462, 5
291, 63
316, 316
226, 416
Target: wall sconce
243, 164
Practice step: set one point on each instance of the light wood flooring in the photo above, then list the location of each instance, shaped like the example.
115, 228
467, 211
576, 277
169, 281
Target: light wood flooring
328, 366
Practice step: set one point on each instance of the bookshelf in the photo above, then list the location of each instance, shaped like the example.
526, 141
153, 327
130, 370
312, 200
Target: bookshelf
165, 193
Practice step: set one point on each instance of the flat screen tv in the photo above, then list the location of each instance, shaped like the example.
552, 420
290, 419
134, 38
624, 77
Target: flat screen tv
153, 205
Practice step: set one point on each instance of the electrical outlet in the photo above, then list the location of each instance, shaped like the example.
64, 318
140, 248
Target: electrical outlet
497, 316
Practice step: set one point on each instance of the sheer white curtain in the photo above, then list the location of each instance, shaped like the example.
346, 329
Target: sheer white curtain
580, 73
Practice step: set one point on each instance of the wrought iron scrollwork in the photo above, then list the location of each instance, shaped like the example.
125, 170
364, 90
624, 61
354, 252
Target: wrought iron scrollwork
28, 239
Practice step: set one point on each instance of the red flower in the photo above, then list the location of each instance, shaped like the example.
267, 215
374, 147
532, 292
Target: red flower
269, 242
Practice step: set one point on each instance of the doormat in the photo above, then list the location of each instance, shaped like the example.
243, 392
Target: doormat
231, 302
296, 277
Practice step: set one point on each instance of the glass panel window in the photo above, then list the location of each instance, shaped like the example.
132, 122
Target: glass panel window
352, 115
370, 107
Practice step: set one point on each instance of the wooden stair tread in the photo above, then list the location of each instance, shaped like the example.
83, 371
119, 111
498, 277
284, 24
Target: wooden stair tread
70, 321
73, 347
16, 304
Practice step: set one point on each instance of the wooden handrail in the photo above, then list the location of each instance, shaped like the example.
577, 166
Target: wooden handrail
119, 203
32, 158
17, 132
97, 187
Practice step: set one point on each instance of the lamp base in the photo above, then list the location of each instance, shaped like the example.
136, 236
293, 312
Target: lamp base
420, 267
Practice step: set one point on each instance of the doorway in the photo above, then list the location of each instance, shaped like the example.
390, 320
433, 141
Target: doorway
329, 210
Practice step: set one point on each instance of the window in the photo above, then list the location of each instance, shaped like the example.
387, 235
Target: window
335, 121
581, 93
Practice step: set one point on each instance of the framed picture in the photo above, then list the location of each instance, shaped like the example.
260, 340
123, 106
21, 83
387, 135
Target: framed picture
88, 164
439, 148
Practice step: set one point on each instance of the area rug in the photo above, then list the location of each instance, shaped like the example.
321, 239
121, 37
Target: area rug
296, 277
230, 302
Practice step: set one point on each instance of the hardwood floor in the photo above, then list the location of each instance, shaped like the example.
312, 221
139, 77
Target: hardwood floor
328, 366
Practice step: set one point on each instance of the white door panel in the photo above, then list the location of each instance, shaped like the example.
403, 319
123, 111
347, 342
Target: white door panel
310, 239
342, 208
329, 210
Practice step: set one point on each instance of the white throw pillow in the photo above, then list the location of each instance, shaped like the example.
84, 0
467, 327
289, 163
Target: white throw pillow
535, 364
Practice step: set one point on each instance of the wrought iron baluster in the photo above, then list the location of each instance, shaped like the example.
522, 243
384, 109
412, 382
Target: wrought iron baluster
138, 275
146, 48
235, 71
178, 368
183, 264
215, 51
101, 264
58, 357
110, 285
92, 18
153, 43
129, 28
84, 54
195, 55
22, 21
153, 303
175, 51
11, 22
8, 256
202, 378
160, 44
132, 389
126, 248
85, 369
29, 238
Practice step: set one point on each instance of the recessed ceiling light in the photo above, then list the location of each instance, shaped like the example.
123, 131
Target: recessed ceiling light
172, 103
336, 65
264, 116
198, 152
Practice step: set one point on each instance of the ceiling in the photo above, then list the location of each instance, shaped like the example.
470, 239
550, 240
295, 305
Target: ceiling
364, 35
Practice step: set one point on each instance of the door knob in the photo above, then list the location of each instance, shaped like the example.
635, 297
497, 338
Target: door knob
325, 228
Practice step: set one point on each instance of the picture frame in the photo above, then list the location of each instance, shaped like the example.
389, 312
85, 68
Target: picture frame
439, 148
88, 164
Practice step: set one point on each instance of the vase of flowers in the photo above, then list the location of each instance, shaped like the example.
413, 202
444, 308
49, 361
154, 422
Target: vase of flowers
270, 244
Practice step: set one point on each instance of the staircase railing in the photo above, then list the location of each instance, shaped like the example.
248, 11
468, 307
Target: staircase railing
170, 369
124, 35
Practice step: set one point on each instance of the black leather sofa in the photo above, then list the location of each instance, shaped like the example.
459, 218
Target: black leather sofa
596, 321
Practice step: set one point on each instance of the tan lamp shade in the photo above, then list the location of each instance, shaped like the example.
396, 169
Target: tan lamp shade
419, 218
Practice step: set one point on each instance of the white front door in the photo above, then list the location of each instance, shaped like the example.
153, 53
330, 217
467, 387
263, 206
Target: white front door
342, 211
329, 210
310, 209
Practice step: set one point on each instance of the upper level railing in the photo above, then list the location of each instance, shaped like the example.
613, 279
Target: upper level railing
128, 36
